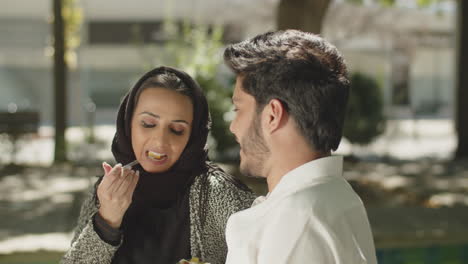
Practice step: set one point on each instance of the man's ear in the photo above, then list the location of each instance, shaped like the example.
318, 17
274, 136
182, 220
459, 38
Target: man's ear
276, 115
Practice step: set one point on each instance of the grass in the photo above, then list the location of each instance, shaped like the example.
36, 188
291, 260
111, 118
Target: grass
432, 255
39, 257
436, 255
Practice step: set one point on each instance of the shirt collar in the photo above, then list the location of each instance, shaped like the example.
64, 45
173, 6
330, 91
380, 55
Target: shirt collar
260, 200
308, 173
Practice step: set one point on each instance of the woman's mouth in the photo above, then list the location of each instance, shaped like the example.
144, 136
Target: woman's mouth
156, 156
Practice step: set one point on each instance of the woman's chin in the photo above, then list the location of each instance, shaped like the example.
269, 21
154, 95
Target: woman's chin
151, 168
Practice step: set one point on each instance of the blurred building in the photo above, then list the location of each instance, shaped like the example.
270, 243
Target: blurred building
108, 60
410, 52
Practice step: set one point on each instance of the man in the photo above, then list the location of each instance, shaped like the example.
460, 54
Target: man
290, 98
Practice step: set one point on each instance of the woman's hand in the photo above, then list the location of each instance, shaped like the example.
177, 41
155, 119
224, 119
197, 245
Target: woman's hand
115, 193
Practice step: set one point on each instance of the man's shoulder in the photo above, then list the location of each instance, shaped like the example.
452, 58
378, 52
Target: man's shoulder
329, 200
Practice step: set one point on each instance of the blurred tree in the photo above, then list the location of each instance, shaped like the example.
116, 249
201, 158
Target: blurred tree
462, 82
365, 118
60, 82
297, 13
66, 24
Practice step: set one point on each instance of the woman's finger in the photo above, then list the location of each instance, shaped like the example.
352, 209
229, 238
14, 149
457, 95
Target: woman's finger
110, 178
120, 177
124, 180
133, 184
107, 168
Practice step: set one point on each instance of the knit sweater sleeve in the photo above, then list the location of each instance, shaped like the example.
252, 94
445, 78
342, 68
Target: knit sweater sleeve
86, 245
224, 198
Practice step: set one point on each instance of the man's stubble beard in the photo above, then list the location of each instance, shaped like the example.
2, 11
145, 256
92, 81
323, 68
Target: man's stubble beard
255, 151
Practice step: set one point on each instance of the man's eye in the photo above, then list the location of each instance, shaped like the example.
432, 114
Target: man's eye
177, 132
235, 109
146, 125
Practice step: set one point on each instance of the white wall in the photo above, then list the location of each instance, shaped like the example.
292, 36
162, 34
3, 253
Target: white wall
433, 78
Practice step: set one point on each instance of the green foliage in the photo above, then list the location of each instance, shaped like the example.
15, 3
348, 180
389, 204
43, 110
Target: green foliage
219, 102
420, 3
364, 118
387, 2
424, 3
359, 2
73, 16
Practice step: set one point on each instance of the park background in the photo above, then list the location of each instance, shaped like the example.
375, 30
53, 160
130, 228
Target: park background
65, 65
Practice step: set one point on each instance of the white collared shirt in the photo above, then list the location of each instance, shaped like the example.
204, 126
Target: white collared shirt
311, 216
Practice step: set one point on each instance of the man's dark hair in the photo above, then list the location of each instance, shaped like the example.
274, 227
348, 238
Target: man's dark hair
303, 71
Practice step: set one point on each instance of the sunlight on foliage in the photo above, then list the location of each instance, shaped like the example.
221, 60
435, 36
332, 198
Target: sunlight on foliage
73, 20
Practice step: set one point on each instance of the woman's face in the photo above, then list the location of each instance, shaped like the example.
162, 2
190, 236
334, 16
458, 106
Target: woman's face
161, 127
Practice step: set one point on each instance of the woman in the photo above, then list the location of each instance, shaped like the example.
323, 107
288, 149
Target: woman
174, 204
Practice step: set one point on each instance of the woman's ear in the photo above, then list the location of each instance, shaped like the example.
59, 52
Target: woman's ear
275, 115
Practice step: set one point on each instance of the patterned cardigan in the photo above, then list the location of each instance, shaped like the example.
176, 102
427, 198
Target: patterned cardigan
207, 236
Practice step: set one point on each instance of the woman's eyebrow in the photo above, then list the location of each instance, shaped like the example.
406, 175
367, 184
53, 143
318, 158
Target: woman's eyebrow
158, 117
181, 121
151, 114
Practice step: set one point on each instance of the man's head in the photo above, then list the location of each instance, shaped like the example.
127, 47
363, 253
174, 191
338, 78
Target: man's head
300, 76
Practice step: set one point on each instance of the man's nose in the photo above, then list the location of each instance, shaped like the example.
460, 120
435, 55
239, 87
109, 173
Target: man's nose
231, 127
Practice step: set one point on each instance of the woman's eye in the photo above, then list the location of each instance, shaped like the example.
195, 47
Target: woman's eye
147, 125
177, 132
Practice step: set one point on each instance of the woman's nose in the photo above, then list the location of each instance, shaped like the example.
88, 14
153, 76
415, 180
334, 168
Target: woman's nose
160, 138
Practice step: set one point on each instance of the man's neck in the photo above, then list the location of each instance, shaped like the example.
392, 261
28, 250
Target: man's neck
280, 167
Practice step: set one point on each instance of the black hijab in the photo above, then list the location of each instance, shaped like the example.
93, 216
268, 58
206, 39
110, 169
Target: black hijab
156, 226
165, 187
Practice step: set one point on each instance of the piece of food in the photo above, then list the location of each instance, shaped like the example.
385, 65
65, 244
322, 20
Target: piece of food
156, 156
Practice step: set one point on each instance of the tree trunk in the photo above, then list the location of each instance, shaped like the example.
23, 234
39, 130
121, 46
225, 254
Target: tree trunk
461, 112
306, 15
60, 82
